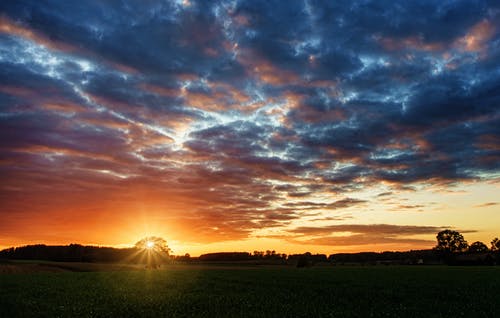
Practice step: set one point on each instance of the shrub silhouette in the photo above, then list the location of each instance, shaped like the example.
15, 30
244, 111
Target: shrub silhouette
478, 247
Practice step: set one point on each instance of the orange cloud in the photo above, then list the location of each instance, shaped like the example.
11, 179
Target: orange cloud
209, 51
65, 107
220, 97
9, 27
489, 142
42, 149
264, 70
160, 90
241, 20
122, 67
17, 91
205, 101
141, 137
476, 39
409, 43
104, 121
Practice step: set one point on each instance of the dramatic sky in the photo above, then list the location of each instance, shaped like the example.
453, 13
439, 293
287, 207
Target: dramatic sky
319, 126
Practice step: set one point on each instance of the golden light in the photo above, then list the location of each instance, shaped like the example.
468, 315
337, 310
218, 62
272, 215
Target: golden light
150, 244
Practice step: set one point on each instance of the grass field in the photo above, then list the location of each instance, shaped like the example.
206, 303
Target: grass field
214, 291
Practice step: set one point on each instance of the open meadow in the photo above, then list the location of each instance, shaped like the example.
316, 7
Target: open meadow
248, 291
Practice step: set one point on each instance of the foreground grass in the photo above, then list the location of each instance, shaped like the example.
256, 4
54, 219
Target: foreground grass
256, 292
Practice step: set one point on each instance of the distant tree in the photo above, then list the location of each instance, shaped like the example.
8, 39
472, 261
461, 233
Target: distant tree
478, 247
495, 244
155, 249
258, 254
270, 254
183, 258
449, 241
154, 243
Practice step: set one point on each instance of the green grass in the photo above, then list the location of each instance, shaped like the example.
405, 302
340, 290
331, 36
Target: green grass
256, 292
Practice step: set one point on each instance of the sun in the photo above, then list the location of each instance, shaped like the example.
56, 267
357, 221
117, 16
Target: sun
152, 251
153, 244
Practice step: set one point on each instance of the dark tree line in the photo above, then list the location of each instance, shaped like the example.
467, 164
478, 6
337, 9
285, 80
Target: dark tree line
69, 253
225, 257
414, 257
451, 248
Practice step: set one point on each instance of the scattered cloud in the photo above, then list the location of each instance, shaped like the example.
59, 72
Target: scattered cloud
363, 234
487, 204
232, 117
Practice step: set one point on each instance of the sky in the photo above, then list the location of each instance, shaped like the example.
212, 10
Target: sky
321, 126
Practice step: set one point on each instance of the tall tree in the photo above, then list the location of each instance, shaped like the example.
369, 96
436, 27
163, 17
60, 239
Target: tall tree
154, 244
154, 251
449, 241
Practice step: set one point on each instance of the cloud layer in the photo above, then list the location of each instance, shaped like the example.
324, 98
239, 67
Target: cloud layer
231, 117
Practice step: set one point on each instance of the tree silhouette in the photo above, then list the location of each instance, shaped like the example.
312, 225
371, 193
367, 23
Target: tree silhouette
449, 241
495, 244
154, 243
478, 247
155, 250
